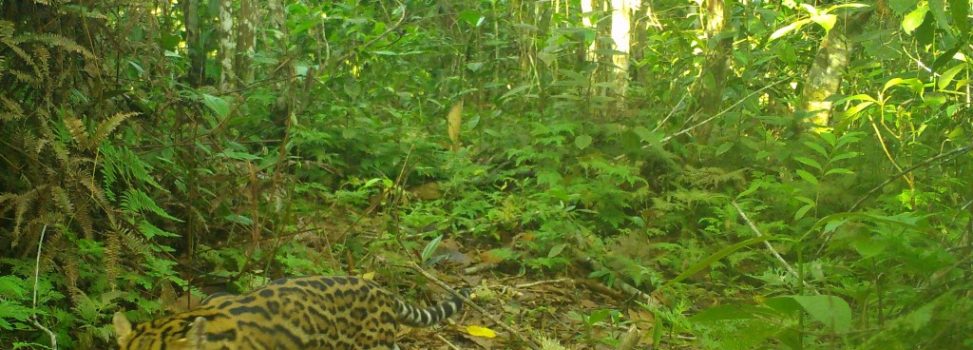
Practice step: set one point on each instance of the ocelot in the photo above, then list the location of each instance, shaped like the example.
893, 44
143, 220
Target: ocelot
299, 313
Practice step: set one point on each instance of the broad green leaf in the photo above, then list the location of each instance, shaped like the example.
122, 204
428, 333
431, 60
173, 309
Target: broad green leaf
854, 110
961, 13
869, 247
938, 15
830, 310
799, 214
787, 29
842, 171
830, 138
217, 104
231, 154
915, 18
816, 148
807, 177
947, 77
826, 21
431, 248
920, 318
709, 260
239, 219
582, 141
900, 7
845, 155
723, 148
809, 162
556, 250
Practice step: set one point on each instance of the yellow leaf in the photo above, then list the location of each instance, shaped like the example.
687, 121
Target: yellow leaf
482, 332
368, 276
455, 120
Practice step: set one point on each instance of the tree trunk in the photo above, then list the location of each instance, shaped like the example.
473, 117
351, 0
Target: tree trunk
827, 70
194, 44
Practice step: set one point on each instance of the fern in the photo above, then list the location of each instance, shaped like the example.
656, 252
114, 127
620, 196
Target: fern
106, 128
113, 248
78, 131
54, 40
12, 111
137, 202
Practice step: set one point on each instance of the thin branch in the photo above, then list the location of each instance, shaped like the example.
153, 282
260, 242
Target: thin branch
37, 268
721, 113
921, 164
769, 246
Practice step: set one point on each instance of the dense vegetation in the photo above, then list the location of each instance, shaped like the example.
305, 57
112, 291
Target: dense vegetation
753, 174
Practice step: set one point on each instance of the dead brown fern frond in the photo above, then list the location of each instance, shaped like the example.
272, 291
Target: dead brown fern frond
106, 127
24, 56
61, 199
113, 248
12, 110
78, 131
22, 203
55, 40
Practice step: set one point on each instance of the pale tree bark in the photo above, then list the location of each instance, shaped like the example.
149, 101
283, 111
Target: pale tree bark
708, 88
621, 35
194, 43
246, 42
587, 7
227, 44
827, 70
282, 108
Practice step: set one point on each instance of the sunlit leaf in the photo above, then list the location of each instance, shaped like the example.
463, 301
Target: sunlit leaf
480, 331
582, 141
915, 18
826, 21
947, 77
787, 29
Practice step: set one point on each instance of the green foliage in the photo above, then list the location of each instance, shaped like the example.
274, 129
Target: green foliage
151, 180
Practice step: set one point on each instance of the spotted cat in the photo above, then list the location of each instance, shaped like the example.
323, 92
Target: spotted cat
307, 313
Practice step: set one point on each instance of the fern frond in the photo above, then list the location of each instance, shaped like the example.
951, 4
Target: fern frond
13, 109
106, 127
44, 56
23, 77
137, 202
113, 248
7, 29
20, 52
23, 202
55, 40
134, 243
71, 275
78, 131
61, 199
82, 215
94, 191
